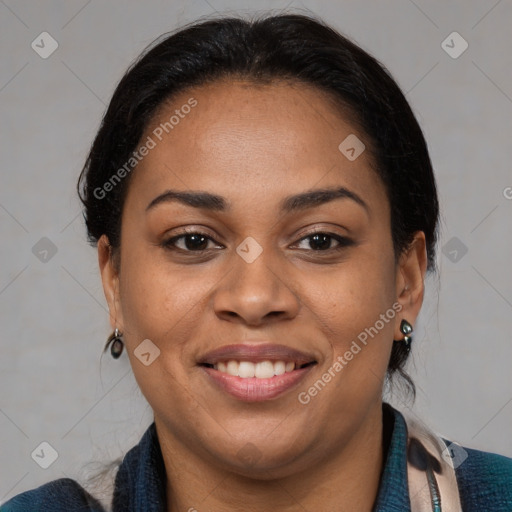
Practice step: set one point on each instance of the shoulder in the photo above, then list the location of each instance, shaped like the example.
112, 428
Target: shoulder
62, 495
484, 479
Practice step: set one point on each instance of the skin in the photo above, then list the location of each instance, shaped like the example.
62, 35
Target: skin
255, 145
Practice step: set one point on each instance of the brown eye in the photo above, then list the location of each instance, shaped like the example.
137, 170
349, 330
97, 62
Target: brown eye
189, 242
321, 242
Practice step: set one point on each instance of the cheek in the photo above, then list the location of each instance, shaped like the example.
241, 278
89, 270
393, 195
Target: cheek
153, 296
165, 304
362, 288
157, 305
358, 310
365, 337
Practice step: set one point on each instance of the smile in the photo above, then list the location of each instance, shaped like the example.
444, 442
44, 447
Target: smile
254, 372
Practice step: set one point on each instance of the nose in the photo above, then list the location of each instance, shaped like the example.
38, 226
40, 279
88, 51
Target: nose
256, 292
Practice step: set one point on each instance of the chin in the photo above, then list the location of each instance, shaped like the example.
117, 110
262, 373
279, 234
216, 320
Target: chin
264, 466
263, 459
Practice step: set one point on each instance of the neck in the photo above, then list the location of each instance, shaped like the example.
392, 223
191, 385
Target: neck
341, 479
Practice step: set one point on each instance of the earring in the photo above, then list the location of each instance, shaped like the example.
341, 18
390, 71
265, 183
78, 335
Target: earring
406, 330
116, 348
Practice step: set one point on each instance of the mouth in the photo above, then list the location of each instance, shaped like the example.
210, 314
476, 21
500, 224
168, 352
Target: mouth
254, 373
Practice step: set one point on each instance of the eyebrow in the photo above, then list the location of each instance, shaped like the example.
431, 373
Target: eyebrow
298, 202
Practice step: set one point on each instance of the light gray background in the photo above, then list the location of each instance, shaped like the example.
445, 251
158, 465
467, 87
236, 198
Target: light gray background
54, 320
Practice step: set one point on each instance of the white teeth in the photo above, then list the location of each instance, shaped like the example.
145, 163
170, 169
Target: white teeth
246, 369
280, 367
261, 370
232, 368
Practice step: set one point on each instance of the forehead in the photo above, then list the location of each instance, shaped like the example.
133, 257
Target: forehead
241, 139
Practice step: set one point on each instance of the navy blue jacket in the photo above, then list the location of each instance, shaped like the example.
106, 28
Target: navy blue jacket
484, 479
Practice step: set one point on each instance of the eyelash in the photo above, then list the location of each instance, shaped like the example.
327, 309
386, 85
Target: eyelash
343, 241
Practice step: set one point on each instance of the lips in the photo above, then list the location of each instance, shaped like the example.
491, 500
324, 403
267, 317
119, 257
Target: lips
255, 354
256, 372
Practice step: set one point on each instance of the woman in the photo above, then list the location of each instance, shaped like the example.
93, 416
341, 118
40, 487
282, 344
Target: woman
265, 213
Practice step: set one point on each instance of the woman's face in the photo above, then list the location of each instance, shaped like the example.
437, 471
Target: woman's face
255, 284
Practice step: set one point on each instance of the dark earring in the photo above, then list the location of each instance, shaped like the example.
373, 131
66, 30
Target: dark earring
116, 348
406, 330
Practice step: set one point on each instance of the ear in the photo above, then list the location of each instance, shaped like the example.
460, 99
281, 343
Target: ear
110, 279
410, 285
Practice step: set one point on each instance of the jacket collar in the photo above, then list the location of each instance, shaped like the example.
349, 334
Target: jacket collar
393, 495
141, 480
